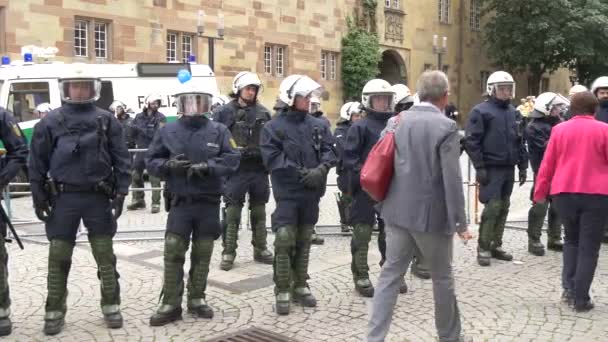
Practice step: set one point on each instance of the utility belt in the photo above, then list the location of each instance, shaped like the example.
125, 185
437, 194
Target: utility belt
179, 200
103, 187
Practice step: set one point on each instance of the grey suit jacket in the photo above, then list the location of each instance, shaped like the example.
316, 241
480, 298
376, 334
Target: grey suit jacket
426, 193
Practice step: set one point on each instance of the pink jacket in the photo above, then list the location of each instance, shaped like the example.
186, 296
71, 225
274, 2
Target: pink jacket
576, 160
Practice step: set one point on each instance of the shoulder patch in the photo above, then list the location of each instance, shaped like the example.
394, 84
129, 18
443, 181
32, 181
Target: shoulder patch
16, 129
233, 143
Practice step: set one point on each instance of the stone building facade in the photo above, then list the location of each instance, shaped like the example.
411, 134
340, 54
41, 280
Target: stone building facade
274, 38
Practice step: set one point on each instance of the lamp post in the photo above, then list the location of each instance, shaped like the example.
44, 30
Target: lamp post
200, 29
439, 49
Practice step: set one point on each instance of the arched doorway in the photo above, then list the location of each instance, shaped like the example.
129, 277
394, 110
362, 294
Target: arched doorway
392, 67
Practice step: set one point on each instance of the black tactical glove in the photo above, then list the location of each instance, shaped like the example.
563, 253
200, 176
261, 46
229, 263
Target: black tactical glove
117, 205
178, 164
315, 178
42, 206
523, 176
200, 170
481, 176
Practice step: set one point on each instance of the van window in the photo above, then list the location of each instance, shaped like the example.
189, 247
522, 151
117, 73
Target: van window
107, 95
24, 97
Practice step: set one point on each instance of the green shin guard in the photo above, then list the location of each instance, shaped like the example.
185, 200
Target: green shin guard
501, 222
200, 256
284, 245
489, 221
6, 325
60, 262
362, 234
173, 281
301, 293
259, 234
103, 252
231, 236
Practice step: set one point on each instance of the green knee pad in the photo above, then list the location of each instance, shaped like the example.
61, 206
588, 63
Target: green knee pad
362, 234
200, 256
137, 181
489, 219
536, 219
155, 183
231, 236
258, 222
302, 255
284, 243
174, 258
5, 299
501, 222
103, 252
60, 262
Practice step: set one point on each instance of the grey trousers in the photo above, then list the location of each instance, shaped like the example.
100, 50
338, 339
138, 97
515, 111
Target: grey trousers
437, 250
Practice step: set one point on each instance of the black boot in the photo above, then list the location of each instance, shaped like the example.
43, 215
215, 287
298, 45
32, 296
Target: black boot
501, 254
535, 247
200, 256
103, 251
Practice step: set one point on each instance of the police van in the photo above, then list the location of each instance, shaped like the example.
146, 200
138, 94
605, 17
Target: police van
25, 85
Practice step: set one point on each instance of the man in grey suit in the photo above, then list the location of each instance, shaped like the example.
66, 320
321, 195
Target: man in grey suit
424, 207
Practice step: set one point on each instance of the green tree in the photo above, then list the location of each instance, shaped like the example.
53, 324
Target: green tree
544, 35
360, 58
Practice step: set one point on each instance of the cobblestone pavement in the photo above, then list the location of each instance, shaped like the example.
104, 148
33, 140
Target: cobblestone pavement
517, 301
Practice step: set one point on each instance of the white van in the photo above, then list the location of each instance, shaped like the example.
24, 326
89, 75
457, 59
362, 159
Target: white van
24, 86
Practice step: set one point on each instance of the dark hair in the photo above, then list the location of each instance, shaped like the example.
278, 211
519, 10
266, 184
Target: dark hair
583, 103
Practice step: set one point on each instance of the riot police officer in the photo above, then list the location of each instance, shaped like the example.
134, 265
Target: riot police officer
43, 109
494, 142
192, 155
15, 158
548, 111
119, 109
349, 113
297, 150
81, 149
143, 128
378, 100
245, 117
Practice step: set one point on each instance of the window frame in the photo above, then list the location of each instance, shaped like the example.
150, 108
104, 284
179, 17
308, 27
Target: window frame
90, 38
445, 8
270, 56
475, 15
179, 52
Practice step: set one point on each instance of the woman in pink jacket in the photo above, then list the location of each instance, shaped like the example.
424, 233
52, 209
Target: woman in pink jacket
573, 174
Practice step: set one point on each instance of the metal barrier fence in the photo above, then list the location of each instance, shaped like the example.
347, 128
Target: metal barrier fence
471, 195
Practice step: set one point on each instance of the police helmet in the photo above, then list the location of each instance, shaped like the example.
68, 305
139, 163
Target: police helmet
599, 83
193, 100
315, 104
118, 104
298, 85
44, 107
243, 79
381, 89
500, 78
79, 87
546, 102
153, 98
348, 109
403, 97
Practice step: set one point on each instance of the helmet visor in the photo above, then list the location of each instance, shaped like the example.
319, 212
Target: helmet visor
504, 91
381, 102
84, 90
193, 104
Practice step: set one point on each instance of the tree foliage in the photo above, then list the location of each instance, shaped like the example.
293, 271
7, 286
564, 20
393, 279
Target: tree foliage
360, 58
544, 35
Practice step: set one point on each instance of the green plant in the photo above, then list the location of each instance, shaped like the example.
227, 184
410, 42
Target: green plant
360, 58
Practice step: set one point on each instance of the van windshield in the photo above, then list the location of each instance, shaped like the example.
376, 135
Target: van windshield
25, 96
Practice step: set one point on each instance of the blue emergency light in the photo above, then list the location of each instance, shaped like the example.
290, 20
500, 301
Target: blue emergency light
6, 60
192, 59
27, 57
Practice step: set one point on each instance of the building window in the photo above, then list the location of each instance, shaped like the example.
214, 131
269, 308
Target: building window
329, 65
92, 35
275, 60
483, 80
391, 3
475, 15
444, 11
544, 84
80, 38
180, 46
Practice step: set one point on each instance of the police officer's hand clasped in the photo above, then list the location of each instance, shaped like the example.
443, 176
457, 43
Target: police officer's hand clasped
481, 176
178, 164
199, 170
314, 178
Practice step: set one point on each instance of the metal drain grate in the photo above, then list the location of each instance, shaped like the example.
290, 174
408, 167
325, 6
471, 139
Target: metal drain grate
253, 335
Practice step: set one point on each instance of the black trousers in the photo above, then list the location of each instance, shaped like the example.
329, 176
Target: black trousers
584, 217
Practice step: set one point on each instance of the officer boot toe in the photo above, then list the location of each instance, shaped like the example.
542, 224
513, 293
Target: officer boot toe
136, 206
201, 310
317, 240
364, 287
303, 296
483, 257
344, 228
403, 286
264, 256
6, 326
155, 209
501, 254
283, 304
166, 314
112, 316
53, 322
227, 262
535, 247
555, 245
